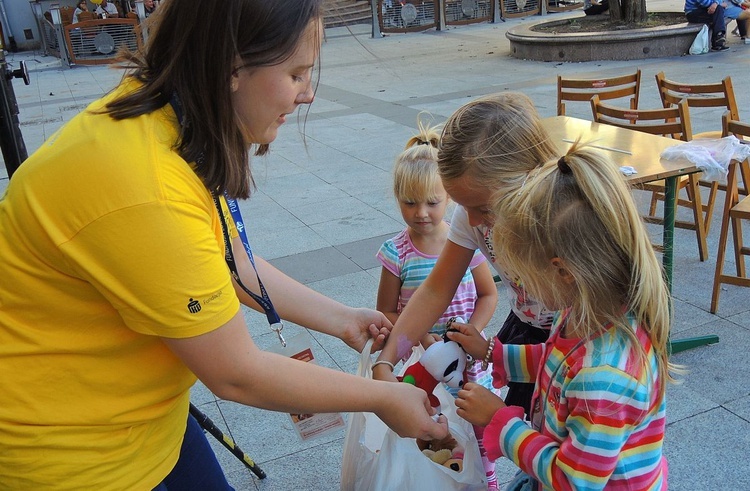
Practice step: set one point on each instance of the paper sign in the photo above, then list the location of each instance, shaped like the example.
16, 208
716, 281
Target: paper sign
308, 426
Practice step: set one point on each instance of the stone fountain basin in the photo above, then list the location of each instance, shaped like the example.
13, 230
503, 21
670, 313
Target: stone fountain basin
627, 44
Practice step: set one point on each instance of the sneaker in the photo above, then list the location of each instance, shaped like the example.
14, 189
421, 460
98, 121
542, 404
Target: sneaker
746, 40
719, 46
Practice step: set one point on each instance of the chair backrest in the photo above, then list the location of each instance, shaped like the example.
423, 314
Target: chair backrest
719, 94
669, 121
86, 16
66, 15
578, 89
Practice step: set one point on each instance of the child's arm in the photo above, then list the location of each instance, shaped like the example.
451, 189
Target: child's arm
426, 305
604, 407
486, 302
389, 290
510, 362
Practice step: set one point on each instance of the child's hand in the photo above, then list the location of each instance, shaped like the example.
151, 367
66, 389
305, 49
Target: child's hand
477, 405
470, 340
429, 339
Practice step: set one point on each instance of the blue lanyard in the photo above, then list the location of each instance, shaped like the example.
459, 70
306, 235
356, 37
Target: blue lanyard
263, 299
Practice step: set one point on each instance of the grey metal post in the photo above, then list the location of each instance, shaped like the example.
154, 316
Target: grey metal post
375, 23
441, 15
54, 10
140, 10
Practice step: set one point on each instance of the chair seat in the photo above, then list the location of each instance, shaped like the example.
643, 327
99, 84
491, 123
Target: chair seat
707, 135
742, 209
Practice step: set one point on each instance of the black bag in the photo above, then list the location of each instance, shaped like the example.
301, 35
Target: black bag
600, 8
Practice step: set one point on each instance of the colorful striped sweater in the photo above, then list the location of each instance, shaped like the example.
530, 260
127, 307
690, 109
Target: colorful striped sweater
602, 424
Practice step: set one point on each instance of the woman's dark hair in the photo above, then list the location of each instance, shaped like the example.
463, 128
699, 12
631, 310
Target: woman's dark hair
191, 52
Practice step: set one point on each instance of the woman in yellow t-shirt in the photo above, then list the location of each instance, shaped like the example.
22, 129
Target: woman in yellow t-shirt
116, 291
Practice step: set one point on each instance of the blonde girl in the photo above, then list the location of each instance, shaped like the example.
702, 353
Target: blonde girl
574, 236
409, 257
487, 147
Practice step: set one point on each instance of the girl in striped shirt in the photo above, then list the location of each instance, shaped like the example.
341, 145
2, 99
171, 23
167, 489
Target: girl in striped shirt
574, 236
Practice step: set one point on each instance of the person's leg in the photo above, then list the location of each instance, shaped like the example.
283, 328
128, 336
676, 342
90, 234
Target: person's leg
197, 467
743, 24
714, 21
475, 374
718, 27
515, 331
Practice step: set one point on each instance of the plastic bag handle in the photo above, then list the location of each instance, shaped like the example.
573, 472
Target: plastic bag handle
365, 360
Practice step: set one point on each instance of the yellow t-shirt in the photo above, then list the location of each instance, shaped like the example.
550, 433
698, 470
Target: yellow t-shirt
108, 241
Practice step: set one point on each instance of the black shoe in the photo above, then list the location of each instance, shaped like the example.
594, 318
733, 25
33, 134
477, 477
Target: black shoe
719, 47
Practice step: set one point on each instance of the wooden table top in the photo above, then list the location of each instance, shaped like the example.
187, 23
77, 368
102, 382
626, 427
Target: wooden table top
642, 151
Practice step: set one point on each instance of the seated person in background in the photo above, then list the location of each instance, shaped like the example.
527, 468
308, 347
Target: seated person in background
738, 10
107, 9
712, 14
80, 7
149, 6
596, 7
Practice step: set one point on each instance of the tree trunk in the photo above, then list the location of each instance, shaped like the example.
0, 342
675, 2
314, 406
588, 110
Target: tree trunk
630, 11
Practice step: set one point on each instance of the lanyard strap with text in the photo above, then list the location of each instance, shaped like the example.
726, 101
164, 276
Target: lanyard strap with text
263, 299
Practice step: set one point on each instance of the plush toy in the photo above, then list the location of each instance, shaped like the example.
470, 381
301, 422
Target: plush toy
446, 452
443, 361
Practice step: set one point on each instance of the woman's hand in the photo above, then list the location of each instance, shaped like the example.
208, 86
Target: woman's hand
477, 405
407, 411
470, 340
363, 324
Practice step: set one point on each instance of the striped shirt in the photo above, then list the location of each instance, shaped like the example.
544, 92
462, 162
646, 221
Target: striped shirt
399, 256
602, 423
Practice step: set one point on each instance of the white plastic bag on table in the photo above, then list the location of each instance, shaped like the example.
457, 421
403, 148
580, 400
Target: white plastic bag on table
700, 43
711, 155
376, 459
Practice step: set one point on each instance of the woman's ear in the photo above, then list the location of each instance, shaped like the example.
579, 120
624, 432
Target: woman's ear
562, 271
234, 82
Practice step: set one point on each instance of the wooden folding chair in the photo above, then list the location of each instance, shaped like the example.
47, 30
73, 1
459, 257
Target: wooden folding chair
581, 90
734, 212
704, 96
668, 121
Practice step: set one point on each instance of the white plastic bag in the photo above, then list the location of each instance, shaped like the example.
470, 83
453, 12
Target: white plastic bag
711, 155
700, 43
376, 459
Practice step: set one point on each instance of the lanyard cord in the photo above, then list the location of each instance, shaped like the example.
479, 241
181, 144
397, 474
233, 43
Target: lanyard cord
263, 299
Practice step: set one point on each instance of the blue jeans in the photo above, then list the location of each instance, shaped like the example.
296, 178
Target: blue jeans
714, 21
197, 467
522, 482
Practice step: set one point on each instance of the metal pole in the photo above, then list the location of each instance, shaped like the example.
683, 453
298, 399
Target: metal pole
376, 33
6, 28
210, 427
62, 46
11, 140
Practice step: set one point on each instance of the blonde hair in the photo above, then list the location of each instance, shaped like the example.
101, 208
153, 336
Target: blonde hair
495, 139
415, 172
579, 208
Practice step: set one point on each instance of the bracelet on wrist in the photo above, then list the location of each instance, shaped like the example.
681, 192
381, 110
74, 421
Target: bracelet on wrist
384, 362
488, 354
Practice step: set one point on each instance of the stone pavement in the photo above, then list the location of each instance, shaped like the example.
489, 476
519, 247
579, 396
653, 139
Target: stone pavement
324, 206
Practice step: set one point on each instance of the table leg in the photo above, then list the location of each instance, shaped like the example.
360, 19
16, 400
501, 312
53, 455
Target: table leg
670, 203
